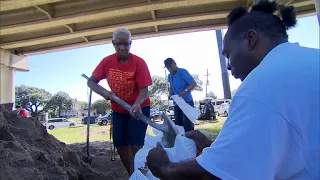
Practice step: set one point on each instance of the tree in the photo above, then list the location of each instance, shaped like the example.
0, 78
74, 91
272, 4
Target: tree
63, 102
101, 106
156, 90
198, 81
212, 95
34, 100
79, 105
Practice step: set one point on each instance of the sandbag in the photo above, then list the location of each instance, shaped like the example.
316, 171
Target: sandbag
150, 176
191, 112
184, 148
137, 175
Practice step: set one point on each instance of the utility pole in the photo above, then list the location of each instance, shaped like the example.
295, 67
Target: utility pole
223, 65
207, 82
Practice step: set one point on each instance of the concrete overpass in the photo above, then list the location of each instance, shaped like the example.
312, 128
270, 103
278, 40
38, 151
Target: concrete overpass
40, 26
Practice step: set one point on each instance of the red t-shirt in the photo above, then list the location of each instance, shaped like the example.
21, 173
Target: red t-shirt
124, 80
23, 113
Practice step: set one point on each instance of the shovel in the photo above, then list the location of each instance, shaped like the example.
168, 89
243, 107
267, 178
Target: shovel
89, 158
168, 127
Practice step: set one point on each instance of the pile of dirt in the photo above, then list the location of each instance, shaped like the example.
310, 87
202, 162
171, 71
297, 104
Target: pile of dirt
27, 151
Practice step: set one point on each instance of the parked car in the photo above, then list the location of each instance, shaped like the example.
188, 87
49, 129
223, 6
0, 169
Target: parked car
154, 114
103, 120
170, 112
223, 109
217, 103
92, 119
58, 123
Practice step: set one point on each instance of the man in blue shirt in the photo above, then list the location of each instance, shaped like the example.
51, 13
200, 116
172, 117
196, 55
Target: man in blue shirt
181, 83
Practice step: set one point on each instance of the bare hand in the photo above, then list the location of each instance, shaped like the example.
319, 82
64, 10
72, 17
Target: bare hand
157, 160
183, 93
135, 107
200, 139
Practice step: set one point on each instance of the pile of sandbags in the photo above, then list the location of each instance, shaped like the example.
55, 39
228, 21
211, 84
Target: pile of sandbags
184, 148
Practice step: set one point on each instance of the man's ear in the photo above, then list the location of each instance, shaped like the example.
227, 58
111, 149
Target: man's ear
252, 38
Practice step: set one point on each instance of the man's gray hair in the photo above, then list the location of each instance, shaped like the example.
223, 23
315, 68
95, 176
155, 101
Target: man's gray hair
121, 30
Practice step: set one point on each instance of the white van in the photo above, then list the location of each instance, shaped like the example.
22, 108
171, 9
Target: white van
58, 123
217, 103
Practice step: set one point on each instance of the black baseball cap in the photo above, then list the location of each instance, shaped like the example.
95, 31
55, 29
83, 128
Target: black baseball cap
168, 62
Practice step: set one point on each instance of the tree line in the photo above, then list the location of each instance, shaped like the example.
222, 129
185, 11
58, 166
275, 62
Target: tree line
38, 100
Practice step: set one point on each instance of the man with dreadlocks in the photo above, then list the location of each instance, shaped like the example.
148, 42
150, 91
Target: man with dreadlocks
268, 134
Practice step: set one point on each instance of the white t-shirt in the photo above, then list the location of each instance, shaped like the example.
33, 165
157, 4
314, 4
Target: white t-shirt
273, 129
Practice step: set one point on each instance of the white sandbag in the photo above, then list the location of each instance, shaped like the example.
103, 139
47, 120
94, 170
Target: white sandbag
151, 141
180, 130
150, 176
156, 132
140, 158
137, 175
191, 112
184, 148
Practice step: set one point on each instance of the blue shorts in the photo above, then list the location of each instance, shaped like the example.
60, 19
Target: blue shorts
128, 131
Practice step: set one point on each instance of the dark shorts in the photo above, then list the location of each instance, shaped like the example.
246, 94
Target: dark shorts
181, 119
128, 131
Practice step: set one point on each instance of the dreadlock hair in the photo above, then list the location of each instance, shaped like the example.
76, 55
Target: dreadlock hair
262, 19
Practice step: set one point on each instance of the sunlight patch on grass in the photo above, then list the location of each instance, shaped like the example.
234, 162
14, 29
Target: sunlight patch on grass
70, 135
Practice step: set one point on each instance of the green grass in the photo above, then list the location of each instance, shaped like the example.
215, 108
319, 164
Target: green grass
78, 134
211, 130
70, 135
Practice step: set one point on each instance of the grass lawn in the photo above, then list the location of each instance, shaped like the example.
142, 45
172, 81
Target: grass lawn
78, 134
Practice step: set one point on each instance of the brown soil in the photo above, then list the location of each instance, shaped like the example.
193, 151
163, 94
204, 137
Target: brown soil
28, 152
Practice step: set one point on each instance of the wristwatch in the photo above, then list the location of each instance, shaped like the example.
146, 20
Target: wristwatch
186, 90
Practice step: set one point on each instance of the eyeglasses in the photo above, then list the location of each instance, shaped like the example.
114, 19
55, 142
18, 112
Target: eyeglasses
122, 43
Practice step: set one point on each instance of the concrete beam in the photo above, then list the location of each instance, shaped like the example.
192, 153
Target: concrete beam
103, 14
110, 29
18, 4
47, 9
135, 36
17, 62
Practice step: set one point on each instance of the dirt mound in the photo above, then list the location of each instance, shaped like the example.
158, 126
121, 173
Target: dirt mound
27, 151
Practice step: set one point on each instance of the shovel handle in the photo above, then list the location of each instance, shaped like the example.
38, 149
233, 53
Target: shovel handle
138, 114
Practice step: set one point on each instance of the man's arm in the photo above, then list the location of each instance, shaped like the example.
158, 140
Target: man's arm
143, 80
192, 86
93, 84
185, 170
190, 80
143, 95
170, 92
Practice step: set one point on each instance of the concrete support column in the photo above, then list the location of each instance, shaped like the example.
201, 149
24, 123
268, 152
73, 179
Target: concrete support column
9, 64
223, 64
7, 86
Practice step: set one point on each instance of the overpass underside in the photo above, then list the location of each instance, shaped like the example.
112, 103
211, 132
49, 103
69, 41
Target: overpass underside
31, 27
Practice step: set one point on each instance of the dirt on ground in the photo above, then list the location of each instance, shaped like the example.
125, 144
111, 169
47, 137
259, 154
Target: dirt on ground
28, 152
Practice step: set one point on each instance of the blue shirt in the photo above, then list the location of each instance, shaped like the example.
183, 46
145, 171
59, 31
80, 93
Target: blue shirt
180, 81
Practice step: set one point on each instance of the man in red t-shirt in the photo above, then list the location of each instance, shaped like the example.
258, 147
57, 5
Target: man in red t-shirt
21, 112
128, 77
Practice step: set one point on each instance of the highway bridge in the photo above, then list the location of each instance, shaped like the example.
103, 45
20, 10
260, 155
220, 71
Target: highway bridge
29, 27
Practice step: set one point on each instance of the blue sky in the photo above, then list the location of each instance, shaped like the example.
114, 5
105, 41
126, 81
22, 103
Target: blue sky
61, 71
